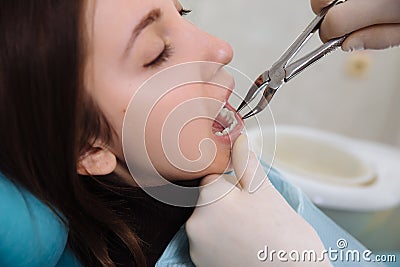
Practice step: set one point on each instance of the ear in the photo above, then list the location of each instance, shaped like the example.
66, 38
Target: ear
98, 161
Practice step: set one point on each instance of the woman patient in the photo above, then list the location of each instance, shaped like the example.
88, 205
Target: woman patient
68, 72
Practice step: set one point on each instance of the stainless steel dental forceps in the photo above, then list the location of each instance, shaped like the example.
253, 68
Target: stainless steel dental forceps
283, 71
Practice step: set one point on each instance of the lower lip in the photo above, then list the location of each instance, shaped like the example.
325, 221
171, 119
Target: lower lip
231, 137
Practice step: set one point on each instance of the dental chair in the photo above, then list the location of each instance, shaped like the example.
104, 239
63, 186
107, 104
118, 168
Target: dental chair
30, 233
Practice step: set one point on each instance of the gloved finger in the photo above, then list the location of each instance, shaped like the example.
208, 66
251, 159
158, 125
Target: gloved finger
248, 169
354, 15
374, 37
214, 187
318, 5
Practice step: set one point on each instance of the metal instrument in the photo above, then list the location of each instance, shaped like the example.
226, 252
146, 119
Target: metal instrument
283, 70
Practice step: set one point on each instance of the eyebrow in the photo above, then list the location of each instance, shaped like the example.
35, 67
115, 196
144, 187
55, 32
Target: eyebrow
147, 20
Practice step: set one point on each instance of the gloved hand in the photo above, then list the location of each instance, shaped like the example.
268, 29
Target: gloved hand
374, 24
232, 230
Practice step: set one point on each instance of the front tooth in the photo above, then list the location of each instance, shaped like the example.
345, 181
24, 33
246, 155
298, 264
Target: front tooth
228, 112
218, 134
224, 112
233, 125
232, 116
225, 131
235, 120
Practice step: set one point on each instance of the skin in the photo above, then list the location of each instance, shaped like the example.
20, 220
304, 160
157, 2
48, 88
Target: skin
114, 74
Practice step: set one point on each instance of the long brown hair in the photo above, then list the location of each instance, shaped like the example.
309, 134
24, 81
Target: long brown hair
46, 120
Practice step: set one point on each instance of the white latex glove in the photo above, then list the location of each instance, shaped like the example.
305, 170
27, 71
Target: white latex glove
374, 24
232, 230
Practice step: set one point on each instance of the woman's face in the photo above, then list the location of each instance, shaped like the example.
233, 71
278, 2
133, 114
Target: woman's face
132, 40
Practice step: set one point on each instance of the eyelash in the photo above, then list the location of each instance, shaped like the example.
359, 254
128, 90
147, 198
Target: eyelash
167, 52
184, 12
164, 56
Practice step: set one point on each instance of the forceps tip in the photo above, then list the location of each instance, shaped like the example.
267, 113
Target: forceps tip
248, 115
241, 106
252, 113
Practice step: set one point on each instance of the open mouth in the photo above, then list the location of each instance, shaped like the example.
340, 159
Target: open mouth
225, 122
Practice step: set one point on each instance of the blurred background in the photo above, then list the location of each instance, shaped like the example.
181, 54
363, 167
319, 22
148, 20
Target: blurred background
355, 94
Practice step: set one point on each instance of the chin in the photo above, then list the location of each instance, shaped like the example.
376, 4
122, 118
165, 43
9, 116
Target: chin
221, 164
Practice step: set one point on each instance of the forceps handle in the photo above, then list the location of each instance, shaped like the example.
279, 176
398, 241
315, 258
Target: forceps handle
301, 64
292, 51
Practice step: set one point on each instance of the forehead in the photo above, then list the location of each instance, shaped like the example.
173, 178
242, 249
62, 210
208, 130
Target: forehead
98, 11
117, 9
118, 17
107, 23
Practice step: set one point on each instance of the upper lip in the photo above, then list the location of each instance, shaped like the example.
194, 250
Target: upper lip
231, 88
224, 79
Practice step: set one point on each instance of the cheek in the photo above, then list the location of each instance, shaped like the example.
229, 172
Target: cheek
197, 144
179, 138
195, 140
191, 153
180, 142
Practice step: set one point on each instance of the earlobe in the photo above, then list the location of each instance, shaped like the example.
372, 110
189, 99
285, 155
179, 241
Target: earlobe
99, 161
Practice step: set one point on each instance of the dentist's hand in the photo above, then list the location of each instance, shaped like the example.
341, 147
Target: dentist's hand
232, 230
374, 24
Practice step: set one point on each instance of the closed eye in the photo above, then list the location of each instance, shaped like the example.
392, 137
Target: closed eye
161, 58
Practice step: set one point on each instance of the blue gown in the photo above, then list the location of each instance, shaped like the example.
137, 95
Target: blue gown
31, 235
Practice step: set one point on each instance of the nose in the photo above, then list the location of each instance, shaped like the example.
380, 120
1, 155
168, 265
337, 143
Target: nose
219, 50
